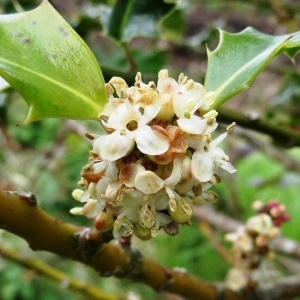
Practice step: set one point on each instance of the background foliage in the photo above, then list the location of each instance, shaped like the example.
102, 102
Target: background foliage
45, 157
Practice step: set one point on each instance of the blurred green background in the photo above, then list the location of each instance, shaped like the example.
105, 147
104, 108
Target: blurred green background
46, 157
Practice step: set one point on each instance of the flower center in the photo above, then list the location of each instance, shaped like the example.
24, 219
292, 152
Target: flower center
132, 125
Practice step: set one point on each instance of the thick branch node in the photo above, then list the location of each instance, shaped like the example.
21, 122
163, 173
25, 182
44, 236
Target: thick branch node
27, 197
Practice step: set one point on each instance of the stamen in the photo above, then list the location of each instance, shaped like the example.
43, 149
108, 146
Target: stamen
163, 74
230, 128
182, 79
189, 84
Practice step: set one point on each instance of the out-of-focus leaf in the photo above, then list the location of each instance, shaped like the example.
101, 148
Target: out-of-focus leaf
130, 18
172, 25
108, 52
240, 57
43, 58
149, 62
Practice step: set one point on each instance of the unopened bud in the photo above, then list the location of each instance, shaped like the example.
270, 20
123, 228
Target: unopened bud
104, 222
171, 228
261, 241
257, 205
77, 211
77, 193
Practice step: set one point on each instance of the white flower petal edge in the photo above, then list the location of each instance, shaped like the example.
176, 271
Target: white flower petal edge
113, 146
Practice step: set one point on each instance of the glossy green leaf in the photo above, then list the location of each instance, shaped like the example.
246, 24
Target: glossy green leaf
240, 57
43, 58
130, 18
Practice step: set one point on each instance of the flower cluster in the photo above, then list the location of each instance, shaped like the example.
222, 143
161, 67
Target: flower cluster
155, 161
251, 243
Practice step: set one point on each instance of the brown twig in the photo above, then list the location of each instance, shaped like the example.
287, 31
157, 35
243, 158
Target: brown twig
208, 231
20, 215
282, 135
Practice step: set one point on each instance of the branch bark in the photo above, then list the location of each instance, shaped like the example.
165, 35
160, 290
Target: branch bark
282, 135
20, 215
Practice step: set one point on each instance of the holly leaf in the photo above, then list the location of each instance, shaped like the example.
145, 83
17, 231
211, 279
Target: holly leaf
51, 67
239, 58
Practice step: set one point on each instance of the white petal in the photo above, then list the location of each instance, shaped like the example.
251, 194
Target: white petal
225, 165
112, 171
179, 104
193, 125
176, 173
119, 84
129, 172
150, 103
151, 142
100, 166
148, 182
101, 186
167, 85
122, 115
163, 219
219, 139
202, 166
112, 193
113, 146
93, 208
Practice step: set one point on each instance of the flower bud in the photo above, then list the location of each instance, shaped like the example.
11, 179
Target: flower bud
77, 211
171, 228
104, 222
77, 193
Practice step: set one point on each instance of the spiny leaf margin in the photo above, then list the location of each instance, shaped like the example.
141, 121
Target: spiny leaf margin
240, 57
51, 67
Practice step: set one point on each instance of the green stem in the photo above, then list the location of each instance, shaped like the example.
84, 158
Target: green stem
42, 268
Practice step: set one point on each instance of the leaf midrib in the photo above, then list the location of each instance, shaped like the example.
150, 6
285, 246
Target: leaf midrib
241, 70
45, 77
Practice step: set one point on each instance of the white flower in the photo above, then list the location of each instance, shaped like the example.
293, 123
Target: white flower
188, 98
130, 124
208, 157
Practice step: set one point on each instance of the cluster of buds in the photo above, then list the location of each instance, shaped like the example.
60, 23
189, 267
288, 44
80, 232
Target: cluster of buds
155, 161
251, 243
